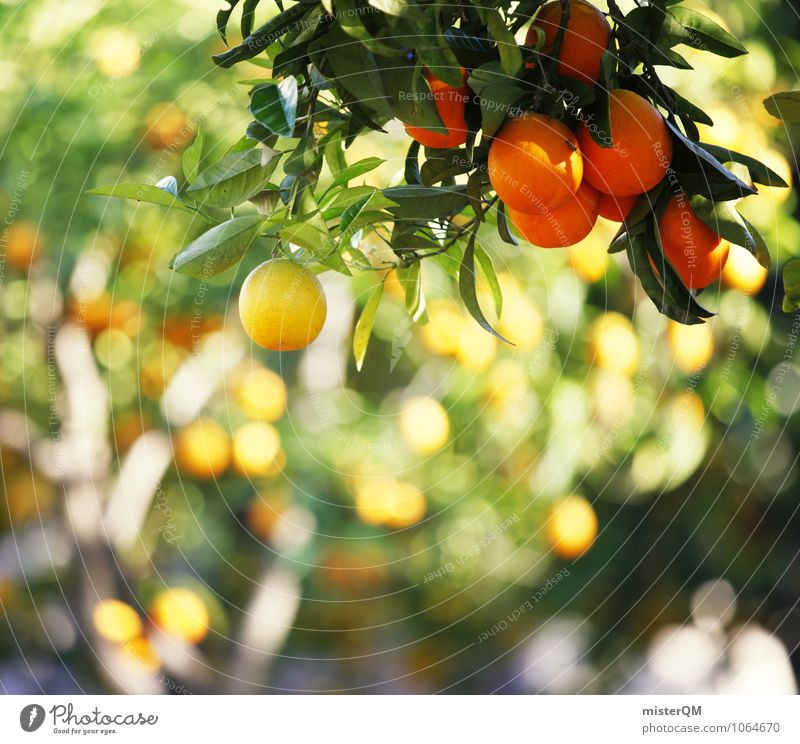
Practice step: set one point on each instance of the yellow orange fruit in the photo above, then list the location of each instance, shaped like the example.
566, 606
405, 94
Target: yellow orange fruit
585, 38
450, 103
256, 447
535, 163
571, 526
693, 249
116, 621
616, 208
203, 449
640, 148
282, 305
181, 613
743, 272
561, 226
425, 424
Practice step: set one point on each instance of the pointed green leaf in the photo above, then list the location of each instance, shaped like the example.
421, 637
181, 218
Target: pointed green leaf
784, 106
791, 285
142, 192
466, 286
364, 325
190, 161
218, 248
235, 178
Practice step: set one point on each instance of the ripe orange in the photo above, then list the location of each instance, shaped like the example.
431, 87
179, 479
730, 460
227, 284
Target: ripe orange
22, 245
282, 305
640, 151
563, 226
450, 103
535, 163
571, 527
616, 208
181, 613
695, 251
203, 449
585, 39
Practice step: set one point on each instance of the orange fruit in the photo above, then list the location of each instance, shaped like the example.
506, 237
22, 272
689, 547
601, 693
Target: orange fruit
571, 527
203, 449
535, 162
695, 251
181, 613
22, 245
282, 305
640, 151
585, 38
450, 103
563, 226
616, 208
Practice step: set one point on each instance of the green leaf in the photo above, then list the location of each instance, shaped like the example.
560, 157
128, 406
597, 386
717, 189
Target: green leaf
510, 54
355, 170
263, 36
445, 164
219, 248
234, 179
223, 16
487, 269
791, 285
306, 235
702, 173
758, 171
502, 226
784, 106
142, 192
350, 16
706, 34
410, 105
411, 173
190, 161
497, 95
424, 203
364, 325
248, 12
275, 106
726, 222
411, 279
398, 8
466, 286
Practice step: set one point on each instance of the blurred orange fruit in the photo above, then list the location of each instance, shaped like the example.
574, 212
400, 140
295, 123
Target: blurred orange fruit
181, 613
203, 449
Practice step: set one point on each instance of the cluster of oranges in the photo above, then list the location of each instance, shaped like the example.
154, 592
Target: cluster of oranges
556, 181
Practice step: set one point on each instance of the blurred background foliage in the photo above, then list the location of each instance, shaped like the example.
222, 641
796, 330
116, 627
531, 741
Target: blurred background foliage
611, 504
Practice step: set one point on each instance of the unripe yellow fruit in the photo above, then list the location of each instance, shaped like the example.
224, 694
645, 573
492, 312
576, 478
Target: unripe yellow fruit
571, 526
181, 613
282, 305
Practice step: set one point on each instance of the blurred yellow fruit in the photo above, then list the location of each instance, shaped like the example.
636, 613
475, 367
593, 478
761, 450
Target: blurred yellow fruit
168, 126
203, 449
261, 393
743, 272
442, 333
386, 501
282, 305
571, 526
614, 344
118, 53
520, 321
141, 651
27, 496
181, 613
477, 348
255, 447
424, 424
264, 511
22, 245
116, 621
589, 258
506, 381
692, 346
